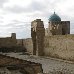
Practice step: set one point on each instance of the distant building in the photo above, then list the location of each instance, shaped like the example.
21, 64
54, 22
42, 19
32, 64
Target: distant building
57, 27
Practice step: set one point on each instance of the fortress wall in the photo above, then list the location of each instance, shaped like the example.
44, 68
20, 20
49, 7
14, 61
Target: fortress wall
60, 46
7, 42
27, 43
19, 42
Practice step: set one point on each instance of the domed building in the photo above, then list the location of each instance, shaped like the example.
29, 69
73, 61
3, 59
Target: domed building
57, 27
54, 17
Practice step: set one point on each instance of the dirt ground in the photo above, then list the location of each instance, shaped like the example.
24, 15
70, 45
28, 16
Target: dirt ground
48, 64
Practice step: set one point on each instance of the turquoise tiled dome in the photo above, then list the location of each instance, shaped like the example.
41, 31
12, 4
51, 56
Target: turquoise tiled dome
54, 17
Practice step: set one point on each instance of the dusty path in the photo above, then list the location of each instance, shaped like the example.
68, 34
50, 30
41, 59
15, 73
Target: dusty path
48, 64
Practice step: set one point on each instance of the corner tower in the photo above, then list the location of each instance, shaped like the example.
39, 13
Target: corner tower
58, 27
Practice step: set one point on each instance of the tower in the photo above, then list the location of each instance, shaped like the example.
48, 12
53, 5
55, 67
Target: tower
13, 35
37, 34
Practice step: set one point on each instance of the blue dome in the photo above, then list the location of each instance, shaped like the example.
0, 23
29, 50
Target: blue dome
54, 17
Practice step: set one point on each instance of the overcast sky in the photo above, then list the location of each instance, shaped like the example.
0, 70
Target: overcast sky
16, 15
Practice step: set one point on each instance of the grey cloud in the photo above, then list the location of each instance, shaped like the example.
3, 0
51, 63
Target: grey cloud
34, 6
16, 9
2, 2
20, 30
44, 8
16, 24
38, 6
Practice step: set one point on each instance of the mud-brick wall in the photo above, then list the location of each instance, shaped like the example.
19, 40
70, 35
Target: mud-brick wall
60, 46
27, 43
7, 42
